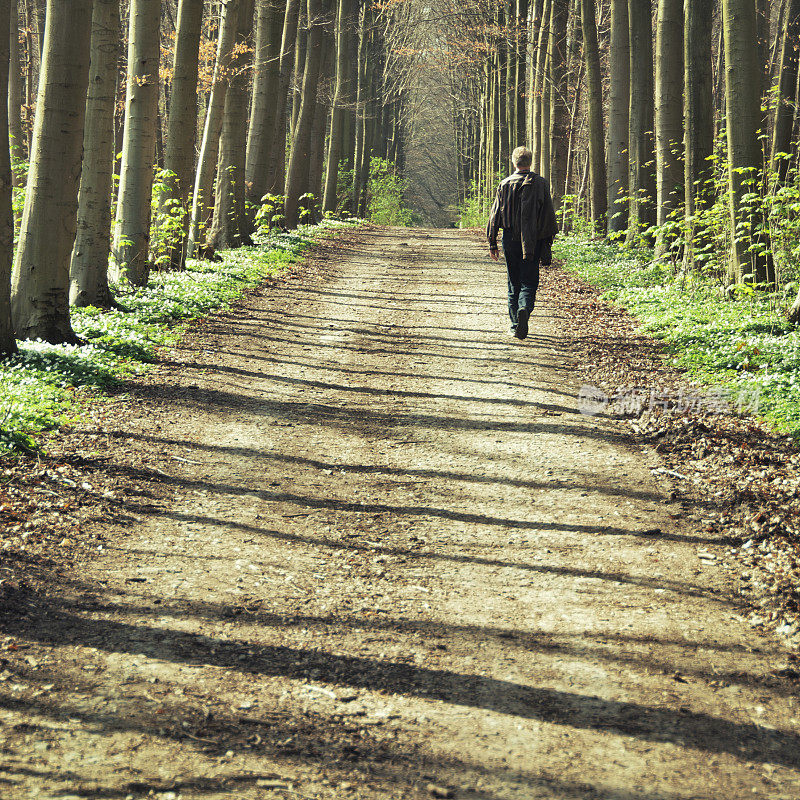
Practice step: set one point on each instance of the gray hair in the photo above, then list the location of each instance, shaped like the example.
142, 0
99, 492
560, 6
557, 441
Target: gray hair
522, 158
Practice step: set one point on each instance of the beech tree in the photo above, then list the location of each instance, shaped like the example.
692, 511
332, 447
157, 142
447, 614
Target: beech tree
7, 343
743, 116
182, 123
89, 264
132, 235
618, 110
668, 113
40, 281
229, 224
207, 159
641, 171
597, 163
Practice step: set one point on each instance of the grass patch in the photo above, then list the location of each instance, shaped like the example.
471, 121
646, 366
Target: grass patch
743, 345
44, 385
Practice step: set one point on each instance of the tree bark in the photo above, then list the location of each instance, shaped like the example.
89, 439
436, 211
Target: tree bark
786, 89
207, 160
341, 99
16, 131
266, 80
301, 141
229, 227
276, 180
540, 83
182, 120
7, 31
668, 115
40, 282
132, 234
559, 111
641, 175
618, 122
743, 102
597, 163
698, 114
89, 264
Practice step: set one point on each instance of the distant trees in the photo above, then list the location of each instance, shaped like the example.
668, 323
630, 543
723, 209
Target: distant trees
7, 342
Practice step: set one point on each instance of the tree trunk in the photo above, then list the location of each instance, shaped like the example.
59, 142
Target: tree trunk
618, 110
299, 67
7, 343
229, 227
787, 84
521, 43
668, 115
530, 79
698, 115
207, 160
266, 80
40, 283
540, 83
132, 234
275, 182
341, 99
559, 112
182, 121
547, 101
594, 100
16, 131
641, 176
89, 266
320, 124
742, 95
301, 141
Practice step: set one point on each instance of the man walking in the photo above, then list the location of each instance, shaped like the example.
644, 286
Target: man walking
524, 210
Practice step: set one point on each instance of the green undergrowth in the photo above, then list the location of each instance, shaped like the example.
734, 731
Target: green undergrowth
742, 344
45, 385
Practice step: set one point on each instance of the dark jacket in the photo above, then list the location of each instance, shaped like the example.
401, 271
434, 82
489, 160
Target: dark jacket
524, 208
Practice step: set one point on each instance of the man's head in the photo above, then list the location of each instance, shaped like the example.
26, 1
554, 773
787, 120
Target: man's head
522, 158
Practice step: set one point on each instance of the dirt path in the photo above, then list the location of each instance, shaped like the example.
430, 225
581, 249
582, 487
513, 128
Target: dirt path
399, 564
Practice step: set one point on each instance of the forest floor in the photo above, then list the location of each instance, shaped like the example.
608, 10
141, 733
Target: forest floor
352, 540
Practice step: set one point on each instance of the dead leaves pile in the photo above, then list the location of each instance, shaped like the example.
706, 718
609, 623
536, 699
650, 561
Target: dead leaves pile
741, 476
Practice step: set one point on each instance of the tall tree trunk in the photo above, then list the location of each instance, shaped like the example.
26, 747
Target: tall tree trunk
7, 343
502, 75
618, 110
341, 99
530, 79
559, 112
698, 115
521, 42
266, 80
641, 176
668, 115
132, 234
16, 131
786, 88
362, 55
597, 162
540, 85
182, 121
301, 143
275, 182
229, 227
320, 123
299, 67
743, 102
89, 265
547, 102
207, 160
40, 282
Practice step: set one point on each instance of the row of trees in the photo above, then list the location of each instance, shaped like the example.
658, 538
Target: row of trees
176, 118
638, 108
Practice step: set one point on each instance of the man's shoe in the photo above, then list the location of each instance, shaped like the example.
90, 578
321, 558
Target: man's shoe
512, 331
522, 323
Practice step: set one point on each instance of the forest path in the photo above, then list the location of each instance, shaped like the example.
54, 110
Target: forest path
399, 564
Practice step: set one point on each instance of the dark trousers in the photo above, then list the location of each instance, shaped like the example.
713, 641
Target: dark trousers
523, 276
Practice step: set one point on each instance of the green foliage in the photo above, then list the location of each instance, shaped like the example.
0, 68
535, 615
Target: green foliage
44, 385
742, 344
385, 196
270, 215
473, 211
168, 220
